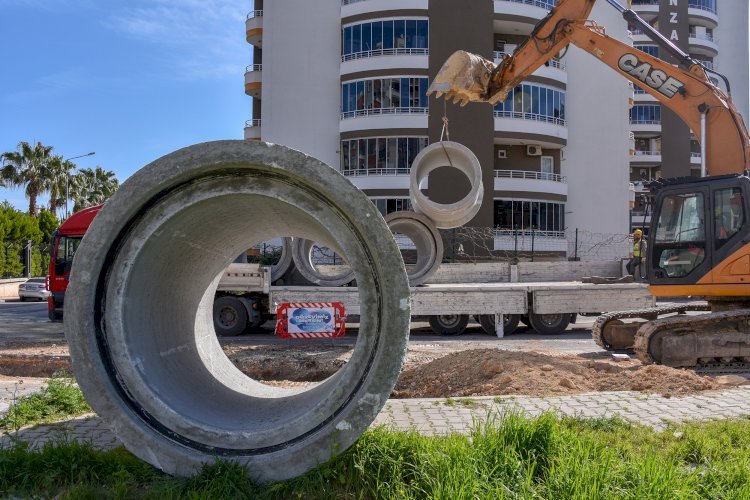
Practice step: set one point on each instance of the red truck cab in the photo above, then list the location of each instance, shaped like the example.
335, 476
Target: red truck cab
65, 241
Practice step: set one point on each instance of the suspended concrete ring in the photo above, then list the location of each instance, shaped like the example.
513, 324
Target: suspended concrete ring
447, 154
138, 312
326, 275
427, 242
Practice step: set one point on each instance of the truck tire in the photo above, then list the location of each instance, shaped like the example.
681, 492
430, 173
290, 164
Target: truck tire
230, 316
449, 324
510, 323
549, 324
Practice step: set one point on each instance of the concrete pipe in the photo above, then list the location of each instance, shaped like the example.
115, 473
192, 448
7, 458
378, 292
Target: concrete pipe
138, 311
427, 242
325, 275
279, 269
447, 154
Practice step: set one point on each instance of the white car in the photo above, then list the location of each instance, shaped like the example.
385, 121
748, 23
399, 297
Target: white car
35, 288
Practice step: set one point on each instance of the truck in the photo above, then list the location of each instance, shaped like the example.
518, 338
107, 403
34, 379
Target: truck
246, 298
698, 240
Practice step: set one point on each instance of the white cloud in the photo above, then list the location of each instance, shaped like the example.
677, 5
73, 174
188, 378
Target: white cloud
204, 37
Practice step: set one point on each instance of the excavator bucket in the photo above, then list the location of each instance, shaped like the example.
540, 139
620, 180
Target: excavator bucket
464, 77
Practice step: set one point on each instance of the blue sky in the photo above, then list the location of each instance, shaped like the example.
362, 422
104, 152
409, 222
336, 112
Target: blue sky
130, 79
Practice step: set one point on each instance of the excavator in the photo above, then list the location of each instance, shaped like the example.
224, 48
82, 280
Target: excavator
699, 238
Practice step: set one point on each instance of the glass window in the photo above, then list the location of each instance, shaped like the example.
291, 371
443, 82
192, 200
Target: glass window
362, 158
66, 250
356, 38
381, 143
405, 92
422, 34
354, 154
368, 94
377, 35
372, 151
387, 34
346, 44
728, 214
411, 33
403, 149
392, 152
360, 96
396, 92
680, 239
399, 33
366, 36
344, 155
543, 101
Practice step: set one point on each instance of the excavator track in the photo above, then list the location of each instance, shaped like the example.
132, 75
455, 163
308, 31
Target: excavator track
599, 331
716, 343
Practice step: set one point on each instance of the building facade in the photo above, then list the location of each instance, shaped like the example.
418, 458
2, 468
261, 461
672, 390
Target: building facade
345, 81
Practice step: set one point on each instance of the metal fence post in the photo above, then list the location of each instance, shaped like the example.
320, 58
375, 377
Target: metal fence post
532, 245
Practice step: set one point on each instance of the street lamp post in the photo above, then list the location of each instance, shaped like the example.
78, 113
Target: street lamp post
67, 179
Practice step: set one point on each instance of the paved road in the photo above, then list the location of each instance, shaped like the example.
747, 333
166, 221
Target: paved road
27, 321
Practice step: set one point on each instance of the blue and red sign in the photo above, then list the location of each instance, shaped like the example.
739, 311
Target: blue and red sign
310, 320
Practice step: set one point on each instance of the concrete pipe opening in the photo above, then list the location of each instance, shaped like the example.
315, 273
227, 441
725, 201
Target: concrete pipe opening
138, 314
318, 263
422, 238
454, 155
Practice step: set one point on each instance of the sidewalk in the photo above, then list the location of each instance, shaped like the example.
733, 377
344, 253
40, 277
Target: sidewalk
440, 416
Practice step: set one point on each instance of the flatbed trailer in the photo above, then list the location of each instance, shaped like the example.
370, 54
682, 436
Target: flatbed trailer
548, 307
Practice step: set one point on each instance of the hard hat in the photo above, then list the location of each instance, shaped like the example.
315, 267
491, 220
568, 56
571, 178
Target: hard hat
637, 232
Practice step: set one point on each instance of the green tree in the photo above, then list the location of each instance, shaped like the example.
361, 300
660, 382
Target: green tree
16, 229
59, 174
28, 168
92, 187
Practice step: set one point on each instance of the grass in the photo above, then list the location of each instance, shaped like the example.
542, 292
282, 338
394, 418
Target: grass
59, 398
508, 457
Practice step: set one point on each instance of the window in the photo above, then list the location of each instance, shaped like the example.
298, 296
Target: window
728, 214
66, 250
533, 102
372, 38
680, 240
380, 155
645, 114
388, 205
521, 215
548, 167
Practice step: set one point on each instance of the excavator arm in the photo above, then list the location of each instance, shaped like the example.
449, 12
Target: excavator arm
689, 92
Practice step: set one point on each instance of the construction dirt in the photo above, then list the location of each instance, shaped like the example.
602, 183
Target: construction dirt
430, 370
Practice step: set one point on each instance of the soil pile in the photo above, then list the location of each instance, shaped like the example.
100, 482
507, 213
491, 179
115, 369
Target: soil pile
490, 372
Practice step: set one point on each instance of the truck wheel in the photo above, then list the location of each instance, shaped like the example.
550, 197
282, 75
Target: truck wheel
230, 316
449, 324
549, 324
510, 323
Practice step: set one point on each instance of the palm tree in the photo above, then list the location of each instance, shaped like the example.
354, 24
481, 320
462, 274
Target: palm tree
92, 187
27, 167
58, 176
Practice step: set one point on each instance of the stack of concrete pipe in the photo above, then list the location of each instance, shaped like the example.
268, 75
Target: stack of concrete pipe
420, 226
138, 317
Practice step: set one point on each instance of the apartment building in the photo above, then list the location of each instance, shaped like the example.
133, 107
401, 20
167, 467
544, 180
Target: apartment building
345, 81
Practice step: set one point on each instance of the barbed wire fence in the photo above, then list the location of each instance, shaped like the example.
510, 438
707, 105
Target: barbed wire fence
21, 258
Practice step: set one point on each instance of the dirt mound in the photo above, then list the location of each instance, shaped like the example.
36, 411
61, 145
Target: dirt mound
299, 363
490, 372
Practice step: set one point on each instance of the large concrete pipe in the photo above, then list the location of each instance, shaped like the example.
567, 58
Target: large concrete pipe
138, 311
427, 242
279, 269
327, 275
447, 154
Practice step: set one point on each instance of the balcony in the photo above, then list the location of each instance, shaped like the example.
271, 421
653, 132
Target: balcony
554, 69
378, 118
358, 7
378, 178
526, 181
252, 130
529, 123
703, 44
645, 125
695, 158
254, 80
385, 59
254, 28
646, 157
519, 16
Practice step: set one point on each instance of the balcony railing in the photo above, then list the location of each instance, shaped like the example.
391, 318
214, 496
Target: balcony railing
702, 36
695, 155
648, 153
253, 123
383, 111
544, 4
254, 67
254, 14
645, 122
524, 174
553, 63
529, 116
384, 52
502, 232
347, 2
365, 172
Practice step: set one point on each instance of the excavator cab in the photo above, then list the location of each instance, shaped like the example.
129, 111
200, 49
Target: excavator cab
698, 236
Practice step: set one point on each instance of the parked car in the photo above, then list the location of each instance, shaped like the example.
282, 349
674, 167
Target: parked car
35, 288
